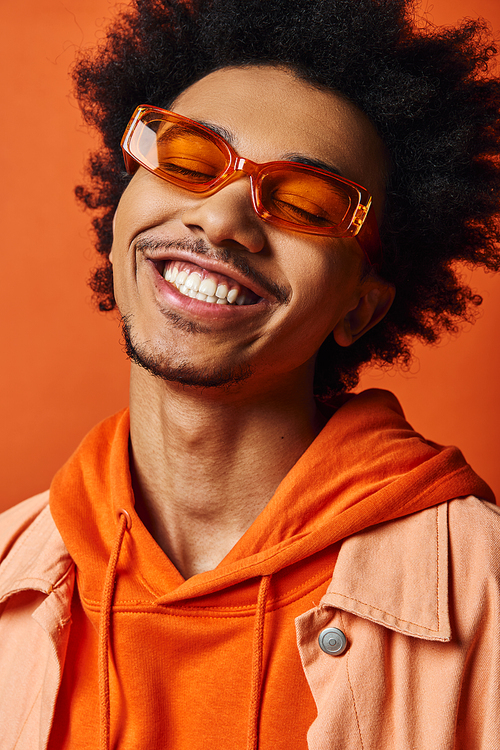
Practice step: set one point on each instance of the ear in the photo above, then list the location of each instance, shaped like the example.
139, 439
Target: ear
373, 303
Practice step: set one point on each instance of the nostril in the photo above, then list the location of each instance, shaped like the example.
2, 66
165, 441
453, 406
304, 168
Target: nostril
227, 218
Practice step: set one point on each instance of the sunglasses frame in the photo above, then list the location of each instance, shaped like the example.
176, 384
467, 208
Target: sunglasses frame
359, 222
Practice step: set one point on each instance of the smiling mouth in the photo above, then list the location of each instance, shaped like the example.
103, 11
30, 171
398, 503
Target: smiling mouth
198, 283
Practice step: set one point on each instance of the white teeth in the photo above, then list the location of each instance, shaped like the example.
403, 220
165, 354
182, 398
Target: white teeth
181, 278
193, 282
206, 290
208, 287
232, 296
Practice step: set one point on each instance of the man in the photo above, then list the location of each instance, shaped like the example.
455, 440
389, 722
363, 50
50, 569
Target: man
249, 556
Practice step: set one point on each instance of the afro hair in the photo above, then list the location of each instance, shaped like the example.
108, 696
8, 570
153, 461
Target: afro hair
427, 90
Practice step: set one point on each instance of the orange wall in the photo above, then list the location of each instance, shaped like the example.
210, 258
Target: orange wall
63, 368
451, 393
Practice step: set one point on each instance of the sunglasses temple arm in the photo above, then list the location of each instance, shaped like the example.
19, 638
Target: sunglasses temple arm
369, 241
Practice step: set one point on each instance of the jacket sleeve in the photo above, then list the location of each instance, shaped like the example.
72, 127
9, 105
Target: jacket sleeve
474, 534
36, 586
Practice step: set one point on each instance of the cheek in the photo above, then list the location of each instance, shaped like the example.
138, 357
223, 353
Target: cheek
319, 296
134, 207
146, 202
325, 280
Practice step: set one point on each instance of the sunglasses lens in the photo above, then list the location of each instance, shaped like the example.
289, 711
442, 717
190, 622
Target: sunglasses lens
304, 199
178, 153
188, 155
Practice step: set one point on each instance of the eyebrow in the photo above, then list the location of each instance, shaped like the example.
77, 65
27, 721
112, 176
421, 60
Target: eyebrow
298, 158
219, 130
310, 162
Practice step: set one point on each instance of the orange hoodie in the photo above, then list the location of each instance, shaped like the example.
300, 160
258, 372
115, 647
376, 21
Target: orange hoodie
210, 663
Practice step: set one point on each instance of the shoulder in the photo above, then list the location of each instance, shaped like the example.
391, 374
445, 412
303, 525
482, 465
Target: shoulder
33, 556
407, 573
473, 517
474, 543
15, 520
474, 559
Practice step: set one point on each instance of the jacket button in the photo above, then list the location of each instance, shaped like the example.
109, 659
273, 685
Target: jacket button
332, 641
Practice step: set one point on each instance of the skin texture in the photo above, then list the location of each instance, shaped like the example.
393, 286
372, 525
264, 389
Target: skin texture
195, 447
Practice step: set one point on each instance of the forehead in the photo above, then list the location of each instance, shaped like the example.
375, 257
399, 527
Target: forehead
272, 114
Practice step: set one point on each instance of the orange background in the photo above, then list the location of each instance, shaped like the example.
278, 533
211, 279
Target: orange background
63, 368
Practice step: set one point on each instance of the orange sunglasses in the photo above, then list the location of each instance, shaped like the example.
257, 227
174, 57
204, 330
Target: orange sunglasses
285, 193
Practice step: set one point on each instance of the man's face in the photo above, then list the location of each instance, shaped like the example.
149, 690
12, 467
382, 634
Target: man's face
295, 288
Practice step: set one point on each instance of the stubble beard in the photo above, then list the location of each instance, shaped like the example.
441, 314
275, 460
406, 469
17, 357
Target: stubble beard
158, 363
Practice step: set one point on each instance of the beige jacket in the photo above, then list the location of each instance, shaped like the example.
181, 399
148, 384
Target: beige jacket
418, 600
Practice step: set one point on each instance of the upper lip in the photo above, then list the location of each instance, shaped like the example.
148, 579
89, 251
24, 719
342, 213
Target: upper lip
252, 279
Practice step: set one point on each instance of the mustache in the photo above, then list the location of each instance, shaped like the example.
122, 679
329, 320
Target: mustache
228, 257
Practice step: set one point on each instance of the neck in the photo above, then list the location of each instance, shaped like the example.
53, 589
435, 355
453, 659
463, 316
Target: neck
205, 462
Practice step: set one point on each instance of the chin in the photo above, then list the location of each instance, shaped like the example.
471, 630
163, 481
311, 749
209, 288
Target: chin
182, 372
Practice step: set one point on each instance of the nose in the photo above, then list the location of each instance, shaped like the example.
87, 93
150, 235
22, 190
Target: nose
227, 217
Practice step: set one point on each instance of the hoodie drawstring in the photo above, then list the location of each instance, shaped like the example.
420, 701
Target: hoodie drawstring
257, 661
125, 523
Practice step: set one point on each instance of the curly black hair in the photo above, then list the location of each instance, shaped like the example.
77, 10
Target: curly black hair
427, 90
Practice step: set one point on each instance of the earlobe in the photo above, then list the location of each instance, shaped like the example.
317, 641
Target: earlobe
370, 309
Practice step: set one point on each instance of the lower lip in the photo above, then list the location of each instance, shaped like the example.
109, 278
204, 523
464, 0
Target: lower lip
168, 294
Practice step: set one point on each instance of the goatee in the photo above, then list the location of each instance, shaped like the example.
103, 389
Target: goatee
184, 373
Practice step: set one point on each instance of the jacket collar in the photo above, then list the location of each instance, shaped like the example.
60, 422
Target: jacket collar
38, 559
396, 574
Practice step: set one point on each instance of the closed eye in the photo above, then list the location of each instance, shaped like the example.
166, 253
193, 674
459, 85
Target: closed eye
193, 170
307, 213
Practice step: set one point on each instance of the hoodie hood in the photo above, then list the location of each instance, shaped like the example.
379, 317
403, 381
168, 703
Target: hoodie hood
366, 466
